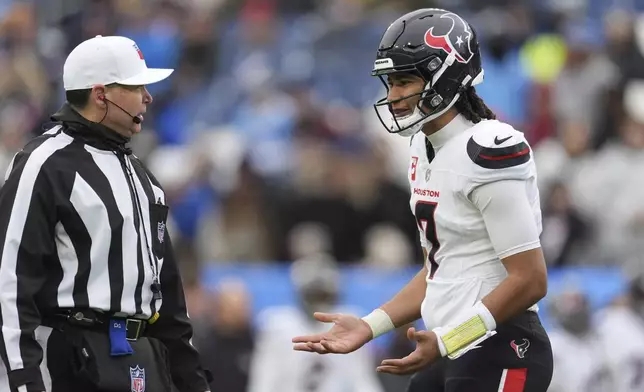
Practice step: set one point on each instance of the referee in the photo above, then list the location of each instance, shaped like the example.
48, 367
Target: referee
90, 294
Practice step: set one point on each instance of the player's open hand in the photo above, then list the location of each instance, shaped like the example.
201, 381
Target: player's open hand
348, 334
425, 353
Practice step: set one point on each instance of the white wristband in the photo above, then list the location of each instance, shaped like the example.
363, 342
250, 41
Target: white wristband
486, 315
379, 322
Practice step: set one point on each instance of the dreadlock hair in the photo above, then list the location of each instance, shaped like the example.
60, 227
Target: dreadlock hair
472, 107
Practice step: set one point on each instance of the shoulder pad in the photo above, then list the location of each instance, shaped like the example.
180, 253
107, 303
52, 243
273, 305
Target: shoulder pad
496, 152
498, 147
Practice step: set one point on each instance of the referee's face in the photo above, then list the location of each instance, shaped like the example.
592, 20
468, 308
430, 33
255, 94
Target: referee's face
133, 101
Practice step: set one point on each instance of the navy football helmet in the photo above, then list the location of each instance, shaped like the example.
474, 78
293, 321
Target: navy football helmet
437, 45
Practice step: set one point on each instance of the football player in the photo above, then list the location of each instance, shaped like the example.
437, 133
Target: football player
475, 198
581, 363
621, 332
275, 367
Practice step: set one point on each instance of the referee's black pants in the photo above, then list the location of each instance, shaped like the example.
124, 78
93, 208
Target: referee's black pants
517, 359
79, 360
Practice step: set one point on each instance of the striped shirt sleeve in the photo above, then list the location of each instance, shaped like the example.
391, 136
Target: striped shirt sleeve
26, 241
174, 327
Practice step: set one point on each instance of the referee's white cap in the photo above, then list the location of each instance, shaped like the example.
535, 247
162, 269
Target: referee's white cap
107, 60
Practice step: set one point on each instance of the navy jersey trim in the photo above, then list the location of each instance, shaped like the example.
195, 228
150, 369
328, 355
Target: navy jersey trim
498, 158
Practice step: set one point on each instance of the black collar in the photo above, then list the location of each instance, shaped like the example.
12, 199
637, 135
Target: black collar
94, 134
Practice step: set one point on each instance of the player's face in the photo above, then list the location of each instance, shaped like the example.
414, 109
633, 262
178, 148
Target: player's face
404, 93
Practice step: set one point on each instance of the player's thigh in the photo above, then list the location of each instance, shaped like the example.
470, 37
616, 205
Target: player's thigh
534, 379
529, 361
428, 379
517, 359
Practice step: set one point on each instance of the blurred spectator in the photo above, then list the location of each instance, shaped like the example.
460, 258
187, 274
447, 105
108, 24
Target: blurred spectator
24, 81
386, 246
343, 186
621, 329
588, 73
582, 364
565, 231
277, 367
224, 336
507, 87
243, 229
625, 31
309, 239
618, 190
561, 157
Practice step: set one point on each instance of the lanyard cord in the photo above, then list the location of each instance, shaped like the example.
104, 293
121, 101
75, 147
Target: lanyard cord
154, 265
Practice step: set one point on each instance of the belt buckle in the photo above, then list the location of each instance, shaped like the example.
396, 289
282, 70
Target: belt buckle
81, 318
134, 335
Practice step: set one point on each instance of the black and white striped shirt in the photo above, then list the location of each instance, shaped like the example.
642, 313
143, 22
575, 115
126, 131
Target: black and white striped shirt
82, 225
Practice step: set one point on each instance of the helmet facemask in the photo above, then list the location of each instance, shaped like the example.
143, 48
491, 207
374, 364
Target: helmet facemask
409, 124
430, 106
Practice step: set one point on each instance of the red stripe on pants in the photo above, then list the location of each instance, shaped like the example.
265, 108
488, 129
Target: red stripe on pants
515, 380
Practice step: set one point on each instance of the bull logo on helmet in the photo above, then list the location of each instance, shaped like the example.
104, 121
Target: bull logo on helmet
455, 40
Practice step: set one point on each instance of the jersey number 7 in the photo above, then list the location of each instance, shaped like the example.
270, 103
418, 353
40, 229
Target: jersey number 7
424, 212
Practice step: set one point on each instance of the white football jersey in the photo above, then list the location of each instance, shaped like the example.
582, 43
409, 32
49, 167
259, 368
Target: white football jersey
621, 332
275, 366
581, 365
463, 264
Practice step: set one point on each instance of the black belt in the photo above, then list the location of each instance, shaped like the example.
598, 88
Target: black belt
95, 320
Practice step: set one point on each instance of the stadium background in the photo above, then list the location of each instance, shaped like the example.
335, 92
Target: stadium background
269, 149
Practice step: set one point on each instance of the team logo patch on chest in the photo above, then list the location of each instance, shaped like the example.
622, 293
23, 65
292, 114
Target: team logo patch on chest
137, 379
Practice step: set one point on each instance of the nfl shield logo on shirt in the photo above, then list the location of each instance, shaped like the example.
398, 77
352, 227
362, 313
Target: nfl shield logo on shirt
160, 231
137, 379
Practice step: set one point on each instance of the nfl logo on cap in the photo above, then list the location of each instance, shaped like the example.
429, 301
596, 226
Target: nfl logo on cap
138, 51
137, 379
108, 60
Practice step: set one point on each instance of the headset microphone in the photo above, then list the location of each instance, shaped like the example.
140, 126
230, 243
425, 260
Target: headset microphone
135, 119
